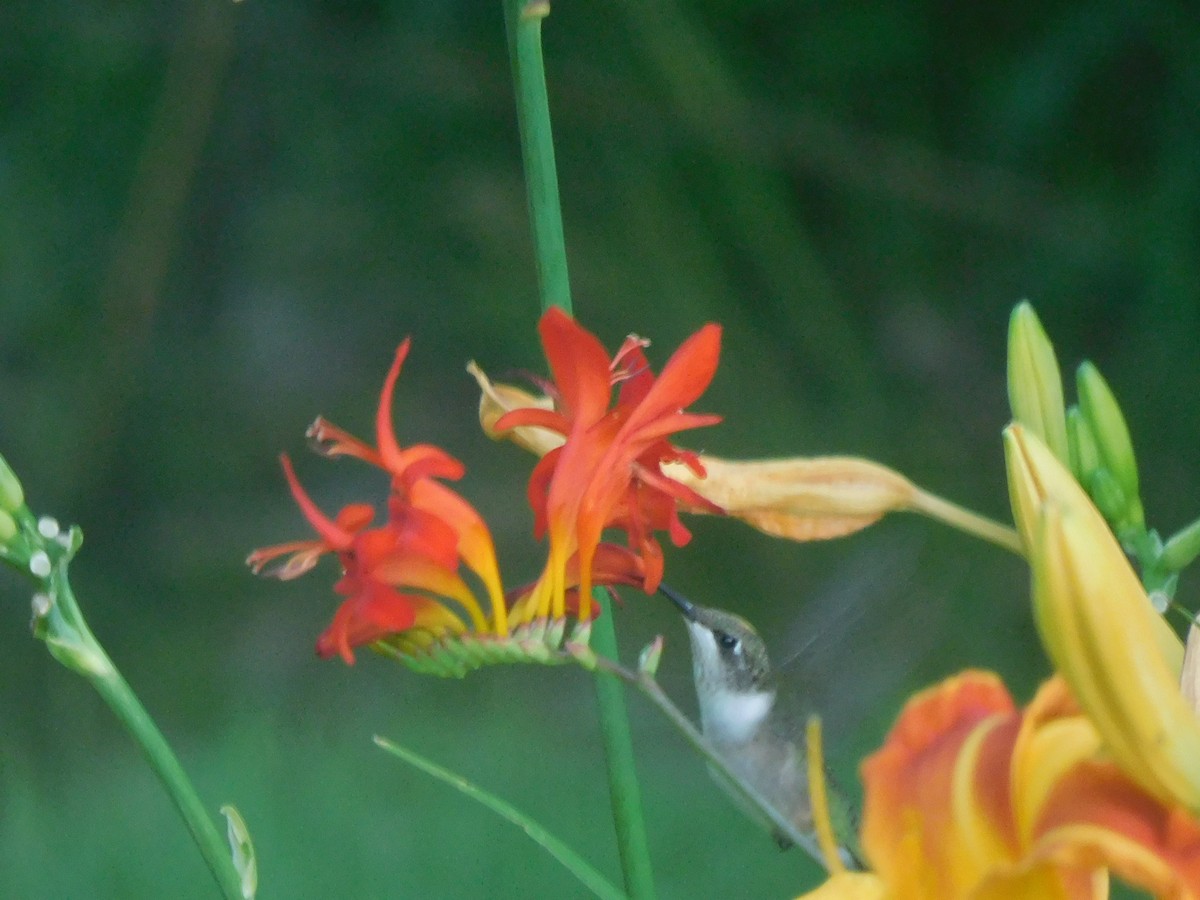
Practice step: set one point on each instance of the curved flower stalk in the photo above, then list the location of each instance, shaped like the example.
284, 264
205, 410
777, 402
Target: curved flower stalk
607, 471
971, 797
38, 548
1099, 628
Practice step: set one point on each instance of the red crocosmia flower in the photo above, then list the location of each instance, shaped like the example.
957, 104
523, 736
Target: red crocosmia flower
398, 576
334, 536
406, 466
416, 552
413, 489
607, 472
612, 565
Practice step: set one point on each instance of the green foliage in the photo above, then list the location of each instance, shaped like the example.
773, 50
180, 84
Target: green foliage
859, 195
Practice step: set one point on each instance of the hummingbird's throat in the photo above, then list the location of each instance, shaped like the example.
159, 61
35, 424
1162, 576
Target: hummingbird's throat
732, 717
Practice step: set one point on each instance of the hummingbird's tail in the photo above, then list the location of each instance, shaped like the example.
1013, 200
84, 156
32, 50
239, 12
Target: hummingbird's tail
845, 826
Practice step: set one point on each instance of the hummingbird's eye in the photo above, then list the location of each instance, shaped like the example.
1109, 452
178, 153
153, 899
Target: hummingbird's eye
726, 641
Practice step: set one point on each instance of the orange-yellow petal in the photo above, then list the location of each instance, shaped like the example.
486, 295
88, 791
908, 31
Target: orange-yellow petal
918, 789
1042, 882
475, 543
1097, 817
850, 886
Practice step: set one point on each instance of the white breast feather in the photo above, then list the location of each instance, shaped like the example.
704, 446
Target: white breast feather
732, 717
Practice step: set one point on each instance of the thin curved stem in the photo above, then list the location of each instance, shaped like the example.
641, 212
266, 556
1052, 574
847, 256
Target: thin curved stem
119, 696
572, 861
965, 520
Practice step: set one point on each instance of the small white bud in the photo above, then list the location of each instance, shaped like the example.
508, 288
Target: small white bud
41, 605
47, 527
1160, 601
39, 564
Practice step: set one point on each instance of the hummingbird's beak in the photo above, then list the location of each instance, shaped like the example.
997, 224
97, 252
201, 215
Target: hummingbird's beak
685, 606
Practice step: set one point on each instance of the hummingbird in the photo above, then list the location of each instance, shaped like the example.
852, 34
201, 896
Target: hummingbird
754, 723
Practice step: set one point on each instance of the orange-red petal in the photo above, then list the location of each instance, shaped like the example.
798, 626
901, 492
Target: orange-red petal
579, 365
909, 829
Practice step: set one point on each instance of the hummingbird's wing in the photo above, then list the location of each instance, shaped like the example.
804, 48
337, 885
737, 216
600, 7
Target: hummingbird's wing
858, 633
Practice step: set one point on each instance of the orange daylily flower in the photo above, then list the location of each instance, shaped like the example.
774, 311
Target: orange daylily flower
398, 576
972, 798
607, 472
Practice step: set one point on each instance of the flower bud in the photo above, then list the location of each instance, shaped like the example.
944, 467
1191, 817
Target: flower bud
1189, 677
1107, 425
800, 498
1108, 496
650, 657
1085, 455
241, 850
1035, 392
497, 399
1182, 547
8, 527
1120, 658
12, 495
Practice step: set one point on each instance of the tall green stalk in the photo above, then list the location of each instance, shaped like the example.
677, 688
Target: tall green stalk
523, 21
38, 549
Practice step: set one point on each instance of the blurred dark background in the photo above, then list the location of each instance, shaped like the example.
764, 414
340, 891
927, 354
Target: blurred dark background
219, 220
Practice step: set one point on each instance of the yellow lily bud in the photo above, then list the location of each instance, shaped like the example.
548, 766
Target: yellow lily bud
1119, 657
800, 498
497, 399
1107, 425
1035, 392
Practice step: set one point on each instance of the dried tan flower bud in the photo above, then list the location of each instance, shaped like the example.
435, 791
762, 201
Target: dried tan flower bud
801, 498
497, 399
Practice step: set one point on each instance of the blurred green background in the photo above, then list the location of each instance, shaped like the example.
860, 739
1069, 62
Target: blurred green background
219, 220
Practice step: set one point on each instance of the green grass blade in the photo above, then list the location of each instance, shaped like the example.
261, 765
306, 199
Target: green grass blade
575, 864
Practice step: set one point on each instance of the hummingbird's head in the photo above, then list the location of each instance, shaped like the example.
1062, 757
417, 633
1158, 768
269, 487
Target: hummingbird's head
727, 653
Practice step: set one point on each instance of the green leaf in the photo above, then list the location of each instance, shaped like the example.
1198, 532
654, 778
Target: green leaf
574, 863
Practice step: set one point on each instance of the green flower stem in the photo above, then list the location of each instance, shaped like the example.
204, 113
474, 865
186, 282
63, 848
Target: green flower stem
95, 665
618, 751
575, 864
523, 21
970, 522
